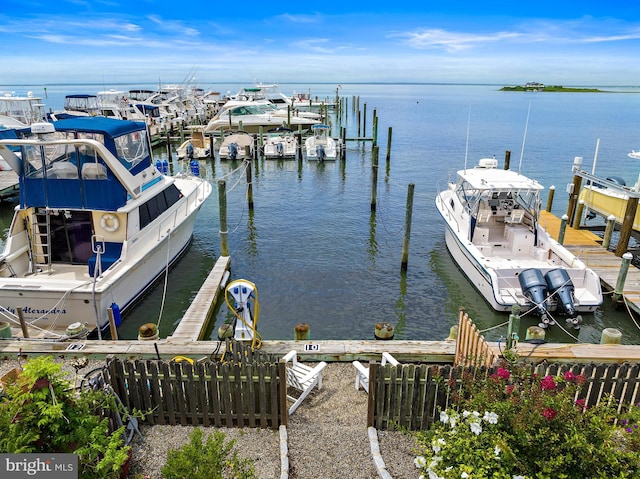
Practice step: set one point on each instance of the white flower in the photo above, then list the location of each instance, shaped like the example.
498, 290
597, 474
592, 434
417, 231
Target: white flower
475, 427
444, 417
475, 414
466, 414
497, 450
433, 475
490, 417
437, 445
519, 477
464, 475
420, 462
452, 421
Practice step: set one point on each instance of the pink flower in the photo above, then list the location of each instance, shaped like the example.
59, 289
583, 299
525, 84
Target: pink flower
548, 384
569, 376
549, 413
504, 373
581, 403
510, 388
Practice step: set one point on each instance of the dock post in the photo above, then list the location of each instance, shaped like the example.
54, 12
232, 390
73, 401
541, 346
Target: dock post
374, 178
622, 277
407, 228
563, 227
383, 331
302, 332
23, 323
611, 336
514, 326
608, 231
343, 144
507, 160
578, 218
627, 226
224, 233
249, 187
375, 127
535, 333
552, 190
574, 189
364, 121
389, 146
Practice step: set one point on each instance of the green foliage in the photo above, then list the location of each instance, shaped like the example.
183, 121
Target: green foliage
514, 424
41, 412
215, 459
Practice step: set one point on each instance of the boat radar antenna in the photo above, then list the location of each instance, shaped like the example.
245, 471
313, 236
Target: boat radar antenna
466, 150
524, 138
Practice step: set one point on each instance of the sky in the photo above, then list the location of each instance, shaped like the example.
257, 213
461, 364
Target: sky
586, 43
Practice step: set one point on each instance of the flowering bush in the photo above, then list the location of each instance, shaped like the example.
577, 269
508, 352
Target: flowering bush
531, 427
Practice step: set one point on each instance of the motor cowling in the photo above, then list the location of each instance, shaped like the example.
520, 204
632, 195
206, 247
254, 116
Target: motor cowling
535, 289
561, 287
320, 153
233, 151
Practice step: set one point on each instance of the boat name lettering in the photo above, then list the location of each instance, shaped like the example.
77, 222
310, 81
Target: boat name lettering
30, 310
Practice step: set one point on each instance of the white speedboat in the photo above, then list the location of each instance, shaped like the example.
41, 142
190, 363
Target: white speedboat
20, 111
493, 232
252, 115
280, 143
320, 146
96, 225
236, 145
195, 147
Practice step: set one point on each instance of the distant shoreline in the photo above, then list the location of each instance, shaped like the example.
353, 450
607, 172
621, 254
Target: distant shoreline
551, 88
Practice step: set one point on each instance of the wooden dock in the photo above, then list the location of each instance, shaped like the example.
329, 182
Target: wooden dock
587, 246
194, 323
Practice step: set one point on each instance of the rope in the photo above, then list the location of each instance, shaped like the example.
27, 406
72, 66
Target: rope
166, 280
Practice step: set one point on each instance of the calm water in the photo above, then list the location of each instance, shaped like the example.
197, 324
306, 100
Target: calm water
317, 253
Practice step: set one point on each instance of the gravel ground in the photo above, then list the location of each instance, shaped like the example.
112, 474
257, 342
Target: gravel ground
327, 436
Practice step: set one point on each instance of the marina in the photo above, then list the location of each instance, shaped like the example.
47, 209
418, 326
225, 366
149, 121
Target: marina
294, 232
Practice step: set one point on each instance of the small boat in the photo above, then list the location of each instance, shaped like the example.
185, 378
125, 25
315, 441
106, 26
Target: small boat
96, 225
494, 234
195, 147
280, 143
20, 111
236, 145
320, 146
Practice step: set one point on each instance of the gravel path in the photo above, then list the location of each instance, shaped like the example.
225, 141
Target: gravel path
327, 437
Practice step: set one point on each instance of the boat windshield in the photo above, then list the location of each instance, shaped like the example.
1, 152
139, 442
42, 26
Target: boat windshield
132, 148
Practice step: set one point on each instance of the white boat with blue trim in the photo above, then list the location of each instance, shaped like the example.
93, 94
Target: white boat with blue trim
494, 234
96, 225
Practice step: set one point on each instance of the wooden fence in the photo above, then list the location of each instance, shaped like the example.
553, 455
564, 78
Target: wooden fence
207, 393
471, 347
412, 395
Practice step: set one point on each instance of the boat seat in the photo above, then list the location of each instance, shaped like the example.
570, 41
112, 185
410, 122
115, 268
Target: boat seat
516, 216
94, 171
62, 169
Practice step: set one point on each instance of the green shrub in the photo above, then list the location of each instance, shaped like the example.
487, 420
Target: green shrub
215, 459
41, 412
514, 424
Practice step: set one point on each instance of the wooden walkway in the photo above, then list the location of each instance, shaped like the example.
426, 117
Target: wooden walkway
587, 246
195, 320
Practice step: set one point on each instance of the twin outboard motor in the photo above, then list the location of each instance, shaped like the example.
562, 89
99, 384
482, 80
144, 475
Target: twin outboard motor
534, 287
562, 289
320, 153
555, 287
233, 151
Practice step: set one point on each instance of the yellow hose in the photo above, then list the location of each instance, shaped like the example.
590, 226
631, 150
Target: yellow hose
256, 341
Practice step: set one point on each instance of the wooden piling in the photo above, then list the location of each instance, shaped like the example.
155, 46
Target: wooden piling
112, 325
374, 178
573, 197
407, 228
608, 231
627, 226
23, 323
389, 145
563, 227
507, 160
622, 277
224, 233
552, 190
249, 187
302, 332
578, 218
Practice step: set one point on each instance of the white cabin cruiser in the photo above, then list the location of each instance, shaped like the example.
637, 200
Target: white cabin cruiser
493, 232
97, 224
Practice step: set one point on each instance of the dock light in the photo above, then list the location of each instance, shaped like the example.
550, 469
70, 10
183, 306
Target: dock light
577, 163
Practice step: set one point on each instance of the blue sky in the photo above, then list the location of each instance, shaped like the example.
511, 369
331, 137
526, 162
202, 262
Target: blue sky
113, 41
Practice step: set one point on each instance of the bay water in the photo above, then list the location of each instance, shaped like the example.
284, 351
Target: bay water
318, 254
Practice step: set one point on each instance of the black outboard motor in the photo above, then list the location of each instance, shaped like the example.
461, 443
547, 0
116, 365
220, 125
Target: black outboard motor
320, 153
561, 287
233, 151
534, 287
280, 149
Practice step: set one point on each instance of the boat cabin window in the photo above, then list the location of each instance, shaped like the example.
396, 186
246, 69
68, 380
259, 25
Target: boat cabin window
157, 205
